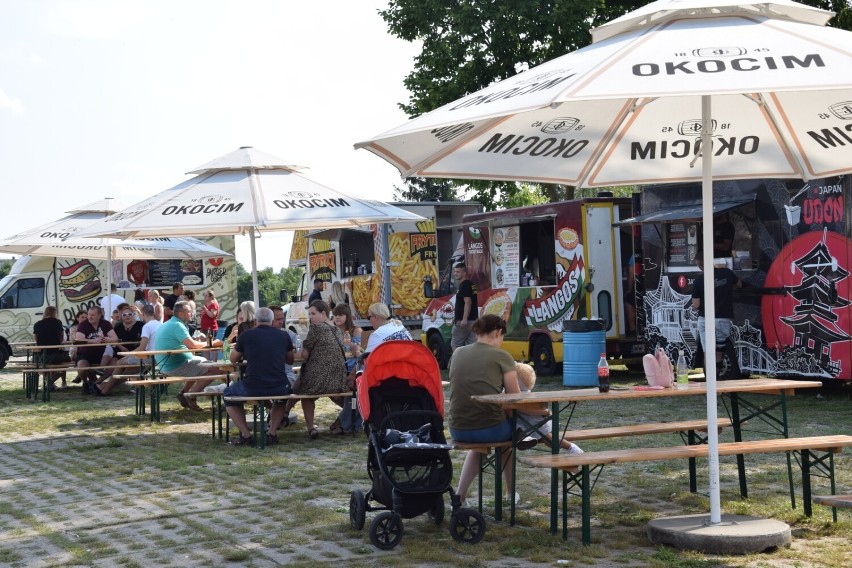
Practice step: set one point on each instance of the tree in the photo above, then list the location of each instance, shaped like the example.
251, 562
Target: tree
5, 267
269, 284
470, 44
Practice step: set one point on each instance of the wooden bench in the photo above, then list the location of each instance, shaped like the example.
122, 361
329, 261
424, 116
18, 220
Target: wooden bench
835, 502
589, 461
259, 409
31, 376
158, 386
687, 429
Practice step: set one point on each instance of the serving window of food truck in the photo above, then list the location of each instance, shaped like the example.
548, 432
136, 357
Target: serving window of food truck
523, 253
681, 231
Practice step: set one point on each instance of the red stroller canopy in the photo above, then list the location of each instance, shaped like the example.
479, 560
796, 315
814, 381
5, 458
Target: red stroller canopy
402, 359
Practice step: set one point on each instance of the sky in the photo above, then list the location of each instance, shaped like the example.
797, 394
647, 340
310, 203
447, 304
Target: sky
120, 98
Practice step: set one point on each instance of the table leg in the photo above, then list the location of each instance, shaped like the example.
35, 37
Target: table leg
587, 507
554, 474
261, 443
693, 484
789, 454
806, 481
738, 437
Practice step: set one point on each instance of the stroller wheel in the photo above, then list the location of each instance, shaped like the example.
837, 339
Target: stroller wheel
467, 525
436, 513
386, 530
357, 509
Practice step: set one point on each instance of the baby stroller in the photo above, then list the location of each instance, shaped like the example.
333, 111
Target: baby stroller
401, 399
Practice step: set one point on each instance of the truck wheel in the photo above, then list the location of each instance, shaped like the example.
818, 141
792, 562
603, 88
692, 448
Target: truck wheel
728, 369
4, 355
542, 357
440, 349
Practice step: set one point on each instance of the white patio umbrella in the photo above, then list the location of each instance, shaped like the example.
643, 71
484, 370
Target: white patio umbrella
245, 192
59, 238
635, 108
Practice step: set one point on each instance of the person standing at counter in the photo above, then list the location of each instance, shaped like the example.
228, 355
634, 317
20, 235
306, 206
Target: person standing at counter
466, 309
723, 236
724, 281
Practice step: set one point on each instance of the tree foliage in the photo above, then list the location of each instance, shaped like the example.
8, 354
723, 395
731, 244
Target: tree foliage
470, 44
5, 267
269, 284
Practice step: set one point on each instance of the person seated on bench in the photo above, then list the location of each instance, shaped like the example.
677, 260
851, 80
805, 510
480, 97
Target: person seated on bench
342, 317
267, 351
323, 363
478, 369
94, 331
50, 331
150, 324
526, 420
174, 334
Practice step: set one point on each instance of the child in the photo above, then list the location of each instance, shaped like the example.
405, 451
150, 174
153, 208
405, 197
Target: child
526, 382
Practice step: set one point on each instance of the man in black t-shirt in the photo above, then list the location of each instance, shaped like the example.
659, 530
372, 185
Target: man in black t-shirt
267, 351
466, 311
316, 294
50, 331
171, 300
723, 236
724, 281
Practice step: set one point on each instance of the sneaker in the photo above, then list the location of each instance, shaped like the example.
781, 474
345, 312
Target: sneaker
574, 450
240, 441
506, 502
525, 443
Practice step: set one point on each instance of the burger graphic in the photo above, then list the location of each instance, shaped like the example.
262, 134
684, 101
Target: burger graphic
79, 281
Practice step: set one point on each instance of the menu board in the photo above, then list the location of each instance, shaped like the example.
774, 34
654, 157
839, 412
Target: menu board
505, 257
682, 245
164, 273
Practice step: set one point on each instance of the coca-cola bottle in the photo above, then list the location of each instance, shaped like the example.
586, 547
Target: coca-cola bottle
603, 374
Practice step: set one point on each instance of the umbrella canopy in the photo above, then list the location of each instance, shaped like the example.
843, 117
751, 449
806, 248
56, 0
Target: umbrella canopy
762, 87
59, 238
240, 193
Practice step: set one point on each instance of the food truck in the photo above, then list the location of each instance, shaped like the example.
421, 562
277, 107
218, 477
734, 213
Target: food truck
384, 263
792, 251
75, 284
539, 267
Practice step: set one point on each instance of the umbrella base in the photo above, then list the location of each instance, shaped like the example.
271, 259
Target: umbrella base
735, 534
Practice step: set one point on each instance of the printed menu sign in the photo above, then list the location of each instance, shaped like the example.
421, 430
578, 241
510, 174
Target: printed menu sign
683, 244
164, 273
505, 257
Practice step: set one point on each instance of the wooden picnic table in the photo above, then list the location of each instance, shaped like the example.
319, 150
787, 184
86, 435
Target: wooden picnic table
732, 393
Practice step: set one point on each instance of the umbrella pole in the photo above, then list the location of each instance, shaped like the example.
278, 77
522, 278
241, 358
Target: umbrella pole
709, 306
254, 286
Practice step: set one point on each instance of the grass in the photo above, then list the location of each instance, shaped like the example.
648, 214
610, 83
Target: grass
83, 481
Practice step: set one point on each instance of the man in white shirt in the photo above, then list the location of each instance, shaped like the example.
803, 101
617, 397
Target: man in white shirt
110, 303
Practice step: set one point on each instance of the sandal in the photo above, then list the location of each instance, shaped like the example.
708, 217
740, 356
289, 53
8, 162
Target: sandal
335, 426
184, 402
313, 433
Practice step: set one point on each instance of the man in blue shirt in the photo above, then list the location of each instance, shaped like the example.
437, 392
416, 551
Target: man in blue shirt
172, 335
267, 352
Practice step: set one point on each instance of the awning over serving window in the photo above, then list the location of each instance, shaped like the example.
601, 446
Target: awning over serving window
681, 212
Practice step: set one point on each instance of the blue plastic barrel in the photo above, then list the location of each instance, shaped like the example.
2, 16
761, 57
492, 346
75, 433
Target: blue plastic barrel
583, 342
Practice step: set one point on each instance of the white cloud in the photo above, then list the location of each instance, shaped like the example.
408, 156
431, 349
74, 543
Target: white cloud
11, 103
97, 19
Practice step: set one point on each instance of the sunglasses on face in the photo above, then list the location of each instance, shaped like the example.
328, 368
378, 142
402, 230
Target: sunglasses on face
125, 314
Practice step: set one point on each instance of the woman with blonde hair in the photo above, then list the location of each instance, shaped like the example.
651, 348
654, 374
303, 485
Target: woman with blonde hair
338, 296
156, 301
245, 320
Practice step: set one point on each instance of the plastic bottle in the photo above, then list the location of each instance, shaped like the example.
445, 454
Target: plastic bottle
682, 373
603, 374
298, 345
